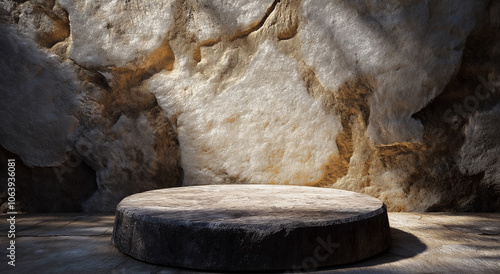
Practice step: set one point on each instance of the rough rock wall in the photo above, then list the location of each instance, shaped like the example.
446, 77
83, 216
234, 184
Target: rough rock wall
84, 131
397, 99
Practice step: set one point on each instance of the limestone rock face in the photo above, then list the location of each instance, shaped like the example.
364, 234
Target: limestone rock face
395, 99
255, 127
114, 33
410, 49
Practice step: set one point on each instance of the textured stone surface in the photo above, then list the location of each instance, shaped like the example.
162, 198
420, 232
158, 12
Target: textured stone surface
252, 128
421, 243
398, 44
398, 99
39, 102
250, 227
75, 133
114, 33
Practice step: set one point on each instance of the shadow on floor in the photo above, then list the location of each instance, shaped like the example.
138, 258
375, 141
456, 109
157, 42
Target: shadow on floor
404, 245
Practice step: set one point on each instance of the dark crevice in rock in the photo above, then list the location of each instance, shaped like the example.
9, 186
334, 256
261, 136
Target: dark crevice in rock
255, 27
49, 189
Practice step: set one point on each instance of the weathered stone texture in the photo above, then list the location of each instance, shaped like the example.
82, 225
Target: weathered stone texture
251, 227
396, 99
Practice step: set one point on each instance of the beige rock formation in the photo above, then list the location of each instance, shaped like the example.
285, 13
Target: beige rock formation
398, 100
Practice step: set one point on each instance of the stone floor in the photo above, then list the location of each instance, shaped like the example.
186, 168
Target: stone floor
421, 243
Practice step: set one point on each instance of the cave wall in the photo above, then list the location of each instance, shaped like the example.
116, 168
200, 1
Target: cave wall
396, 99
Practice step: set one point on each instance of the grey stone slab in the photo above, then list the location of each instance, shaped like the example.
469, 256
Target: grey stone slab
75, 254
251, 227
421, 243
65, 224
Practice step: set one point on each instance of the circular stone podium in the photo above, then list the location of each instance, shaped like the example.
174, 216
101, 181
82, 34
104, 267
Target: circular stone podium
251, 227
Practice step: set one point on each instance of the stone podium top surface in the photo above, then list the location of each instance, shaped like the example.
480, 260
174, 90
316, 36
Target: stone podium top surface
250, 227
252, 204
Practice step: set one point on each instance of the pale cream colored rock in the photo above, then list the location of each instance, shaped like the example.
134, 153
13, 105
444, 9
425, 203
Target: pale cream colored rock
411, 48
114, 33
357, 95
265, 127
54, 118
213, 19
